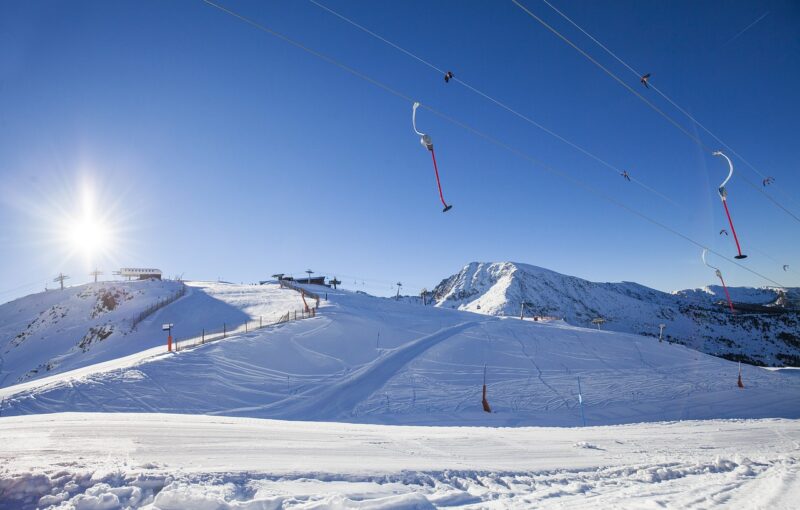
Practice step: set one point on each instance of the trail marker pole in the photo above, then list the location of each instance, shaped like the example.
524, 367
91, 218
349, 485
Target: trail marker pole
224, 330
484, 402
168, 329
739, 382
580, 401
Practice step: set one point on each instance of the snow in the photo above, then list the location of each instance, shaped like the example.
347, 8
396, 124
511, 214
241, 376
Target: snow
371, 360
376, 404
162, 461
51, 332
758, 334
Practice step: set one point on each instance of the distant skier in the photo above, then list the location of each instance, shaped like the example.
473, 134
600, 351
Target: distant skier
645, 79
448, 76
625, 175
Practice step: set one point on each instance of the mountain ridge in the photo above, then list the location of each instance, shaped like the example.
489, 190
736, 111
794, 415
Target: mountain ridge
762, 332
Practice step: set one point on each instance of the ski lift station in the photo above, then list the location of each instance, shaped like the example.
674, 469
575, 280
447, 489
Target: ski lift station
140, 273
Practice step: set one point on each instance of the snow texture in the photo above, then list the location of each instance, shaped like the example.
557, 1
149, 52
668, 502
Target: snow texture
111, 461
372, 360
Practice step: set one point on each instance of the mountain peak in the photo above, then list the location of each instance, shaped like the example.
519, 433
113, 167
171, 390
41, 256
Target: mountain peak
762, 332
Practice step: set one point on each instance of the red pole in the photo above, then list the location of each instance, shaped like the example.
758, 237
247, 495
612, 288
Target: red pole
730, 222
169, 343
438, 182
728, 296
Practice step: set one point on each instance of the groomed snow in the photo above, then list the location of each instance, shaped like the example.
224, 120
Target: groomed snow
93, 461
372, 360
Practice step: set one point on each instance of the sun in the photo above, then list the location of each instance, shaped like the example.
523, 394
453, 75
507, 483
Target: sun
86, 231
89, 236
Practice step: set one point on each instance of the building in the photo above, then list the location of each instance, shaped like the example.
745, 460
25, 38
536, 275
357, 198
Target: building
140, 273
316, 280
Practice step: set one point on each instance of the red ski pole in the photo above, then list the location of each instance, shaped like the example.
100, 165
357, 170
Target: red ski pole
438, 182
735, 237
725, 288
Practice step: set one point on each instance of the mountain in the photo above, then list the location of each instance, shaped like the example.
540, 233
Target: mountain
372, 360
58, 330
764, 331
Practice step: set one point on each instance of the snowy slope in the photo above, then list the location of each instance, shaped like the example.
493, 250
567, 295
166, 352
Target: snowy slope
366, 359
56, 331
161, 462
760, 333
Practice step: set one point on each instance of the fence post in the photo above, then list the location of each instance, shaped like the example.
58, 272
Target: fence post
224, 330
204, 336
245, 327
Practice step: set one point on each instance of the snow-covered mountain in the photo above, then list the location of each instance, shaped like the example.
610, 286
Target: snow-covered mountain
50, 332
765, 329
373, 360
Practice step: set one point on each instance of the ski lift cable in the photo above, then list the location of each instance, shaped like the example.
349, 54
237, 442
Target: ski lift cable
497, 102
592, 190
672, 121
656, 89
520, 115
312, 51
486, 137
614, 77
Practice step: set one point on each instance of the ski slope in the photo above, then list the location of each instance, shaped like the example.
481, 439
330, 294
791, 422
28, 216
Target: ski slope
372, 360
58, 331
94, 461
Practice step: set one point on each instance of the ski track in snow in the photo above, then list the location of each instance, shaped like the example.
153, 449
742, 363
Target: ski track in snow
165, 462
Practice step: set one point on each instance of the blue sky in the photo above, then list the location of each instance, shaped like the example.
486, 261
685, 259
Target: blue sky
217, 151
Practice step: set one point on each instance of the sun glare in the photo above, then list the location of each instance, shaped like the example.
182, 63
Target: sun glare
86, 232
89, 236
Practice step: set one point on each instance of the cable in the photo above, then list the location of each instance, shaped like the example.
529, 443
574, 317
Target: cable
614, 76
672, 121
654, 87
489, 138
506, 107
493, 100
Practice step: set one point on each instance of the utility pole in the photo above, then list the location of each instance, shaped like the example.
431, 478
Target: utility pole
334, 282
398, 291
60, 279
310, 272
95, 273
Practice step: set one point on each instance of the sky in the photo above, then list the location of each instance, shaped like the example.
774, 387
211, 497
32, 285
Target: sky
173, 135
